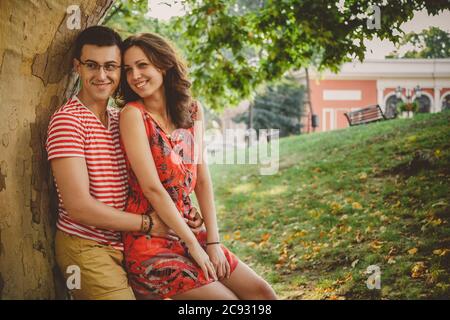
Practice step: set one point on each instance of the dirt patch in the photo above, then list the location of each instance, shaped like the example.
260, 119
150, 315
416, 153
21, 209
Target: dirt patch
420, 161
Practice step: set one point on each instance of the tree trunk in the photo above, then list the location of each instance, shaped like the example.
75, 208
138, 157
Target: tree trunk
35, 79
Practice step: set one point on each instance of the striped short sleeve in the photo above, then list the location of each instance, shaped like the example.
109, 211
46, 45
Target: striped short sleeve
65, 136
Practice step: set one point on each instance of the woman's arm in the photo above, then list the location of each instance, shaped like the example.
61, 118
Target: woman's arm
204, 190
205, 197
132, 131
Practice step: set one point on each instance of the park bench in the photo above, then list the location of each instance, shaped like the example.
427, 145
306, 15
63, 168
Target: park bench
365, 115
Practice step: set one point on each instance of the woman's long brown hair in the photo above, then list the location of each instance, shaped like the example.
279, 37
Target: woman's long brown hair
176, 83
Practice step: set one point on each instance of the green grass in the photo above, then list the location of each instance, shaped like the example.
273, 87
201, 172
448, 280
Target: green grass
342, 201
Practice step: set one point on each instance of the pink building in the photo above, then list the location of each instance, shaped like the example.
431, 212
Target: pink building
358, 85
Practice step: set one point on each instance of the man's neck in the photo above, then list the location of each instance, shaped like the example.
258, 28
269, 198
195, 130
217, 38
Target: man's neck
97, 107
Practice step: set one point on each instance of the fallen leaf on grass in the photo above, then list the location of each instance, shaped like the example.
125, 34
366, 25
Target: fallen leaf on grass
391, 260
412, 251
436, 222
437, 153
300, 234
265, 237
359, 237
252, 244
362, 176
356, 206
392, 251
441, 252
418, 270
348, 200
335, 208
376, 244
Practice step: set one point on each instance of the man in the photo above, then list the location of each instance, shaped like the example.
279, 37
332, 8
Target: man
91, 175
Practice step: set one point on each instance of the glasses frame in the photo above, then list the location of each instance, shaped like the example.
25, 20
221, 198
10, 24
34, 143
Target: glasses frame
100, 66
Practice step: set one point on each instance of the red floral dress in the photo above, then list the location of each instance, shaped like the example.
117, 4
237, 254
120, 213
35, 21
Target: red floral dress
158, 267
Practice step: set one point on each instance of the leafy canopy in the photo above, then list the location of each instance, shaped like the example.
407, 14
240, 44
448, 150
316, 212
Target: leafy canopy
233, 46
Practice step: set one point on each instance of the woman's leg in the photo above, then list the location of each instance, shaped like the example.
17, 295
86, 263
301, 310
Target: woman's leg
211, 291
247, 285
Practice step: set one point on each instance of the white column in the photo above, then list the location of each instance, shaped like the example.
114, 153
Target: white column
380, 97
437, 99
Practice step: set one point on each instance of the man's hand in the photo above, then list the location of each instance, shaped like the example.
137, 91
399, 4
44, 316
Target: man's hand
160, 229
195, 221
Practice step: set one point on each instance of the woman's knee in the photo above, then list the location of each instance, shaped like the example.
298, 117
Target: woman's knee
264, 291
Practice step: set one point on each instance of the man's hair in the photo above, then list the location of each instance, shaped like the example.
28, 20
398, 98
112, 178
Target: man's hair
97, 35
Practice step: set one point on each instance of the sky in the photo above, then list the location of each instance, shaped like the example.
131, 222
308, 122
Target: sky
159, 9
377, 49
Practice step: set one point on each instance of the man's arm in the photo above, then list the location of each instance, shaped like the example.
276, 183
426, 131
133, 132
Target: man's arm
73, 183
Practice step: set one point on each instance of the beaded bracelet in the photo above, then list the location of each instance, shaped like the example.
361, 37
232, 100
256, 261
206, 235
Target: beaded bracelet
150, 219
145, 224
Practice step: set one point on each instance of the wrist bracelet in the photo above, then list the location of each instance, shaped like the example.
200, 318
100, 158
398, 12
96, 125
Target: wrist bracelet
145, 224
209, 243
150, 222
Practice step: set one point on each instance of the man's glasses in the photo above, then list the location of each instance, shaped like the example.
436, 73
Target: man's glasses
93, 66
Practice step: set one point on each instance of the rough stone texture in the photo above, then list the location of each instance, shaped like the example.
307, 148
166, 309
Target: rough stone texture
35, 79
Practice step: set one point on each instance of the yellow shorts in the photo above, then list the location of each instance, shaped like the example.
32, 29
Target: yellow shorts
102, 275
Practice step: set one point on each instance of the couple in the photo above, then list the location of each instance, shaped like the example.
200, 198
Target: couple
125, 214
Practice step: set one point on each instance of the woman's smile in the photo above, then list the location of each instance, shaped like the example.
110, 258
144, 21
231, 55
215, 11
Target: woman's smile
141, 83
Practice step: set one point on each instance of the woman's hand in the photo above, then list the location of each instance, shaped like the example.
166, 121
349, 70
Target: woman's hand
195, 221
219, 261
202, 259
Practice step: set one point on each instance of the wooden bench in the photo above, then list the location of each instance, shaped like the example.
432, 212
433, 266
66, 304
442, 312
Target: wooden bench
365, 115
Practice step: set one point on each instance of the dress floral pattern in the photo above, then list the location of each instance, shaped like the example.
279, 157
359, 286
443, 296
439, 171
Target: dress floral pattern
159, 267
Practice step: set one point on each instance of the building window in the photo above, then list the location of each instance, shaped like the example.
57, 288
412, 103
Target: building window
391, 106
446, 102
424, 103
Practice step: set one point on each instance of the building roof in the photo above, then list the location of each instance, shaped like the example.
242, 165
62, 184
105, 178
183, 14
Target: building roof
386, 69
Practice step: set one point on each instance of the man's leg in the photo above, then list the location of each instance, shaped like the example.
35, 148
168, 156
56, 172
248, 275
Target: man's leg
101, 268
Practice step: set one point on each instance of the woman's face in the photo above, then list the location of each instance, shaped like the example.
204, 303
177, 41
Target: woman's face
142, 76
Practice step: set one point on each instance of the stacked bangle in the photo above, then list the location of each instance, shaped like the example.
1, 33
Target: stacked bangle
146, 224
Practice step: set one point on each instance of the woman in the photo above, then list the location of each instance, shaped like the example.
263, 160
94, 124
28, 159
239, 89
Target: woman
160, 113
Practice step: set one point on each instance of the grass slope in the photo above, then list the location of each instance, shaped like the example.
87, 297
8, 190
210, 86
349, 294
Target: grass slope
342, 201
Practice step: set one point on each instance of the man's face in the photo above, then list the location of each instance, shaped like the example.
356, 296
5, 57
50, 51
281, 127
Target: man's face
99, 84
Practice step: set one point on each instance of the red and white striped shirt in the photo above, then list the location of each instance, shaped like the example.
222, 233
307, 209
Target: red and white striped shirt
74, 131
